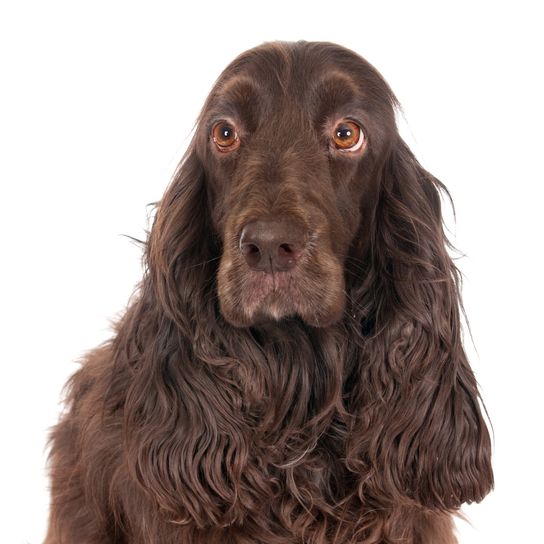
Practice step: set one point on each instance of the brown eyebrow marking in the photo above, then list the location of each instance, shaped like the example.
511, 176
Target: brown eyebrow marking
241, 97
334, 90
338, 79
238, 90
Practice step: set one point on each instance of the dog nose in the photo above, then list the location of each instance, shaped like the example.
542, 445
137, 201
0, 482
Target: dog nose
272, 245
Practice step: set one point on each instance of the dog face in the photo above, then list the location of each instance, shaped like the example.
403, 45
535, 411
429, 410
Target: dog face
291, 139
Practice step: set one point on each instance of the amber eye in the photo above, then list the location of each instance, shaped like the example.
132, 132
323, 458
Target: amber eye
225, 136
348, 136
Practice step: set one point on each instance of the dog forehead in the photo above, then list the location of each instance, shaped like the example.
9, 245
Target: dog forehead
292, 77
293, 100
294, 69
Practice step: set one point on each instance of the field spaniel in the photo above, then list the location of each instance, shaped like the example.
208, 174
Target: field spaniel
292, 369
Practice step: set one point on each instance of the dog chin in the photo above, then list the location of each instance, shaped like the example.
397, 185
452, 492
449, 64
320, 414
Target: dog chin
276, 308
265, 299
311, 319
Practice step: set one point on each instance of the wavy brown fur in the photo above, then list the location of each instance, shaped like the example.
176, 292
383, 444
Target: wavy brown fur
354, 420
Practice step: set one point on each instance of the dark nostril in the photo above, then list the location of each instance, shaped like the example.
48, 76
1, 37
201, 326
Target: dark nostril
249, 248
251, 253
286, 248
288, 254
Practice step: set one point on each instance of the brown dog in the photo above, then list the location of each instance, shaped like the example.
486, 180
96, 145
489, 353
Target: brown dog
292, 370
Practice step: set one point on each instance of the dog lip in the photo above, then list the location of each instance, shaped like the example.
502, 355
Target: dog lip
261, 284
264, 289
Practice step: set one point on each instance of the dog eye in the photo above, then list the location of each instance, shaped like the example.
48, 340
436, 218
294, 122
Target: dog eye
225, 137
348, 136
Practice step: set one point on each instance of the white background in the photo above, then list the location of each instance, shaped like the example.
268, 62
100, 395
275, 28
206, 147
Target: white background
97, 103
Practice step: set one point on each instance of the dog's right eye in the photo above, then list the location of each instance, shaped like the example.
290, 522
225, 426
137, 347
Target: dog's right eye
225, 137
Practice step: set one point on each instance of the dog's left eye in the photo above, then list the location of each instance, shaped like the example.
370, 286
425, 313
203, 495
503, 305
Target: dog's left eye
348, 136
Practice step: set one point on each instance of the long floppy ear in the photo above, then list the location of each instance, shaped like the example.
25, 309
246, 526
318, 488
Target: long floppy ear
420, 431
182, 248
182, 410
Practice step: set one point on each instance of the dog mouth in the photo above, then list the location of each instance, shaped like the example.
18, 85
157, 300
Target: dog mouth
272, 294
257, 297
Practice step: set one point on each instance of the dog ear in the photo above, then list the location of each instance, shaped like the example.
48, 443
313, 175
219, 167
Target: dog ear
181, 248
420, 431
185, 434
